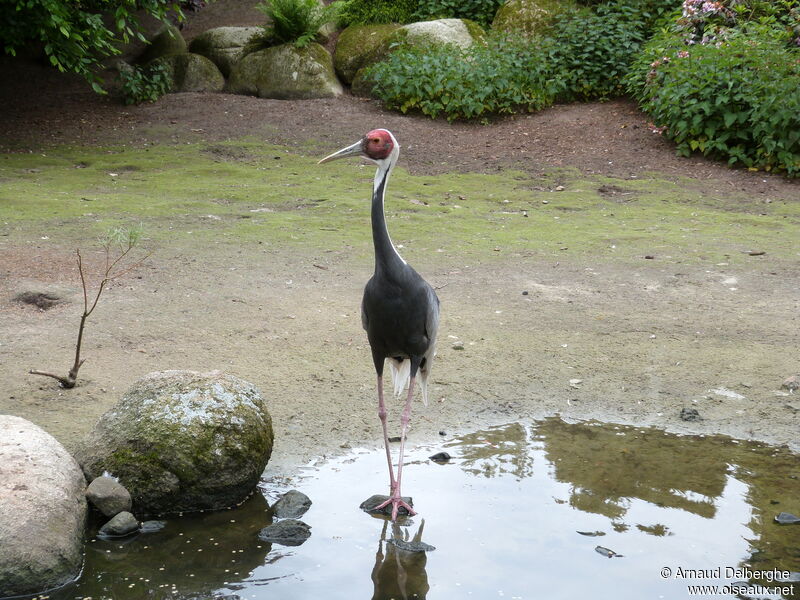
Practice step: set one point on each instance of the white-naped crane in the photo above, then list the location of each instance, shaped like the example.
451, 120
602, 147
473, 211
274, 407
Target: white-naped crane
400, 310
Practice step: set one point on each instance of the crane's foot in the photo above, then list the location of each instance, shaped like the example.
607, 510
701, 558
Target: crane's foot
381, 504
397, 503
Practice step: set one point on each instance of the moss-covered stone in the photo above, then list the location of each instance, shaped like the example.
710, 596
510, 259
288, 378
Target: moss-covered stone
183, 441
192, 73
223, 46
530, 17
459, 32
167, 41
286, 72
358, 46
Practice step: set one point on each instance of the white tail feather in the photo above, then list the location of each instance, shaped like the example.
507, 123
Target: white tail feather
401, 375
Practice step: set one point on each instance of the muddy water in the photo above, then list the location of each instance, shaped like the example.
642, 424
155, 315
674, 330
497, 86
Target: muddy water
522, 511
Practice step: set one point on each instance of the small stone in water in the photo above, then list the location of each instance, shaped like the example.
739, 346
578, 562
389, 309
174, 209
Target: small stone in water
525, 292
607, 552
289, 532
786, 518
370, 505
291, 505
440, 457
690, 414
121, 525
458, 345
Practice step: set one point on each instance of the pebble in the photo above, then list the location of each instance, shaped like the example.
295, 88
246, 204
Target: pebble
458, 345
289, 532
440, 457
121, 525
291, 505
791, 383
690, 414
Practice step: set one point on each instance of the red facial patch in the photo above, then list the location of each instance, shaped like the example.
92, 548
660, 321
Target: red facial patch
377, 144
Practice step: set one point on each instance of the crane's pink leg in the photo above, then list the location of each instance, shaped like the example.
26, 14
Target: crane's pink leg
396, 497
382, 416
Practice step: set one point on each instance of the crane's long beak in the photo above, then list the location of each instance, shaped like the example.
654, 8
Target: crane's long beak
354, 150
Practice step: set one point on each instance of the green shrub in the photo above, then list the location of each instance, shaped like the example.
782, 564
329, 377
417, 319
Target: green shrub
736, 98
480, 11
77, 36
144, 84
502, 77
364, 12
293, 21
592, 51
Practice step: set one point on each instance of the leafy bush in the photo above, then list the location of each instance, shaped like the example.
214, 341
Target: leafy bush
481, 11
592, 51
144, 84
74, 35
363, 12
734, 99
502, 77
293, 21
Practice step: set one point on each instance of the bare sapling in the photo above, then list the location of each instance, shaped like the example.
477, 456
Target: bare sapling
117, 246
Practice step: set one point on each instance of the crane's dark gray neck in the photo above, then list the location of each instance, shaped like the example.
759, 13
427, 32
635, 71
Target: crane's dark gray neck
387, 259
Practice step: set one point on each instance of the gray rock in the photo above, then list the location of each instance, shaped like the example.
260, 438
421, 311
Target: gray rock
108, 496
183, 441
191, 73
286, 73
530, 17
371, 504
223, 46
353, 63
690, 414
457, 32
289, 532
42, 510
121, 525
291, 505
168, 40
791, 383
786, 518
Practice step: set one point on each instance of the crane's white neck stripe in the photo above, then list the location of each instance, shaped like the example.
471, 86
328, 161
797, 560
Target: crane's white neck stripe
385, 167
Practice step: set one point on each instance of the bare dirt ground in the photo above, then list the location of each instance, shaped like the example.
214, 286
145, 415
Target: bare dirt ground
588, 340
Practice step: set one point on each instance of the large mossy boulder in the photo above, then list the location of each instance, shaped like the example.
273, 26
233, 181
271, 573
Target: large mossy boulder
167, 41
424, 34
358, 46
530, 17
191, 73
183, 441
42, 510
223, 46
286, 72
458, 32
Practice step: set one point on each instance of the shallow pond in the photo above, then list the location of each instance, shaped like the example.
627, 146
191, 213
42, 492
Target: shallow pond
522, 511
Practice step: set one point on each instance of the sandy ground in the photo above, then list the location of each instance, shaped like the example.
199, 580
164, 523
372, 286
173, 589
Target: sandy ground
540, 337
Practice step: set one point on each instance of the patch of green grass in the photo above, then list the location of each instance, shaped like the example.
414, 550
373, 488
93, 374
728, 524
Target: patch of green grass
245, 192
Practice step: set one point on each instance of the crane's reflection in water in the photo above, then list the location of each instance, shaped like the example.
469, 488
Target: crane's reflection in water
517, 513
399, 572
